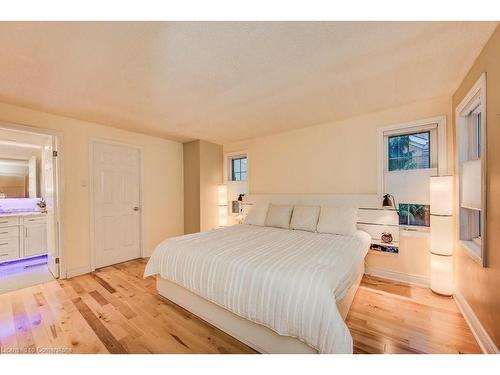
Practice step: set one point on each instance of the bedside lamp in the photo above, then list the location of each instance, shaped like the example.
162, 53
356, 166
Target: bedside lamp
441, 201
222, 204
389, 202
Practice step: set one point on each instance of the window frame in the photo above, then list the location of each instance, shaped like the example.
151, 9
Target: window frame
432, 153
439, 153
468, 221
233, 173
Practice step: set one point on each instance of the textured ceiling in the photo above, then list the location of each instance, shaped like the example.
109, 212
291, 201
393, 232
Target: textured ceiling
227, 81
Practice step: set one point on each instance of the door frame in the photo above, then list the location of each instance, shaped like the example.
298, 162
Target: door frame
92, 142
59, 186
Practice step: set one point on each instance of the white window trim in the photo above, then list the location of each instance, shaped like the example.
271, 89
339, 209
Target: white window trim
476, 96
418, 125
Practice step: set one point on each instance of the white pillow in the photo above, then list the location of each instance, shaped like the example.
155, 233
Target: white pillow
256, 215
279, 216
338, 220
305, 218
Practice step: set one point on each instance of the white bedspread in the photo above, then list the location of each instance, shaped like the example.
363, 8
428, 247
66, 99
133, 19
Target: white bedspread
286, 280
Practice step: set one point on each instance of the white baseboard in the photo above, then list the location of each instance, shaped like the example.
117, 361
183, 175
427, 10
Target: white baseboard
78, 271
484, 340
398, 276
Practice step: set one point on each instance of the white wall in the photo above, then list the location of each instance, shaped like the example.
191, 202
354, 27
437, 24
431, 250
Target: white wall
338, 158
163, 180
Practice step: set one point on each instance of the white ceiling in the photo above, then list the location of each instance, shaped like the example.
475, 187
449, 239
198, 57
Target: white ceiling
227, 81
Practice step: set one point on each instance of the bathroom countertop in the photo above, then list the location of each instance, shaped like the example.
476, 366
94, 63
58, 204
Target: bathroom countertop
28, 213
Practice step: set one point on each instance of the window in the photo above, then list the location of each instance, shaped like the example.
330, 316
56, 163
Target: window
470, 128
477, 131
414, 214
409, 151
409, 155
239, 169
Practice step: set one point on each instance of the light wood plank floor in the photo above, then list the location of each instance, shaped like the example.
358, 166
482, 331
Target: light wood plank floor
115, 310
392, 317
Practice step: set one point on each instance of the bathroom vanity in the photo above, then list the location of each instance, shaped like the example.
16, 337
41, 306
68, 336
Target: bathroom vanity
22, 235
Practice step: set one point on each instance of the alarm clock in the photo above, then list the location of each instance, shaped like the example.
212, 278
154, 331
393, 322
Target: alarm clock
386, 237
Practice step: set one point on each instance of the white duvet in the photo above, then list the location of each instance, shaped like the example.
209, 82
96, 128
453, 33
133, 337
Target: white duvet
286, 280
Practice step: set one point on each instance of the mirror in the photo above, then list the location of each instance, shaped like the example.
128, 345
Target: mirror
19, 178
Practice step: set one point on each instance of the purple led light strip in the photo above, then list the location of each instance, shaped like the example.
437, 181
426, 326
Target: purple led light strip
23, 260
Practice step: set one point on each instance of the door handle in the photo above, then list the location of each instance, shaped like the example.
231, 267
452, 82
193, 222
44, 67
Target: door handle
136, 208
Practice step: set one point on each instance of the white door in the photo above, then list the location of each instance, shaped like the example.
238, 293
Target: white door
49, 162
116, 203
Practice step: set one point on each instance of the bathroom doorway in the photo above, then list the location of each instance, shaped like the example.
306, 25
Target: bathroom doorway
30, 197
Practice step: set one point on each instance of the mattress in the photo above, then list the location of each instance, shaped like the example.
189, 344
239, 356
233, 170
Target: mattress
283, 279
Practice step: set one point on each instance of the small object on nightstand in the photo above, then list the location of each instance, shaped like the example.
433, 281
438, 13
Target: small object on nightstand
392, 248
386, 237
235, 207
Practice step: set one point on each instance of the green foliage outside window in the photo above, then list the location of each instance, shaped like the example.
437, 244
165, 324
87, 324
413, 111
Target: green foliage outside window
409, 151
414, 214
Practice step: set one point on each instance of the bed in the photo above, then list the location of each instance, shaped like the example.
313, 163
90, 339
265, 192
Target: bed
277, 290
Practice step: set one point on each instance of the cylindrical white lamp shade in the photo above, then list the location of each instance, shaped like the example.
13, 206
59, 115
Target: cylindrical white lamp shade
222, 195
471, 184
222, 215
441, 202
442, 235
441, 197
442, 274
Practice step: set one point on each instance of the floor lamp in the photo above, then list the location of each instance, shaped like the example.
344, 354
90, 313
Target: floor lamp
441, 202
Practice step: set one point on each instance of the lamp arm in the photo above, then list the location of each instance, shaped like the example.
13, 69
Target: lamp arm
395, 205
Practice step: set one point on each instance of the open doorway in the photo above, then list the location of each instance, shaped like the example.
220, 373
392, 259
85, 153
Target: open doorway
29, 206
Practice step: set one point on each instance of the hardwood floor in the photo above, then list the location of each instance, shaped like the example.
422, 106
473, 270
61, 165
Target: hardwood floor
115, 310
392, 317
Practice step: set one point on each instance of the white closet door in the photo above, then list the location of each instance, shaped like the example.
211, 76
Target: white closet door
116, 199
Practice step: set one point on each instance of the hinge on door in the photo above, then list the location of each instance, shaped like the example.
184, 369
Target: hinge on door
54, 153
57, 260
